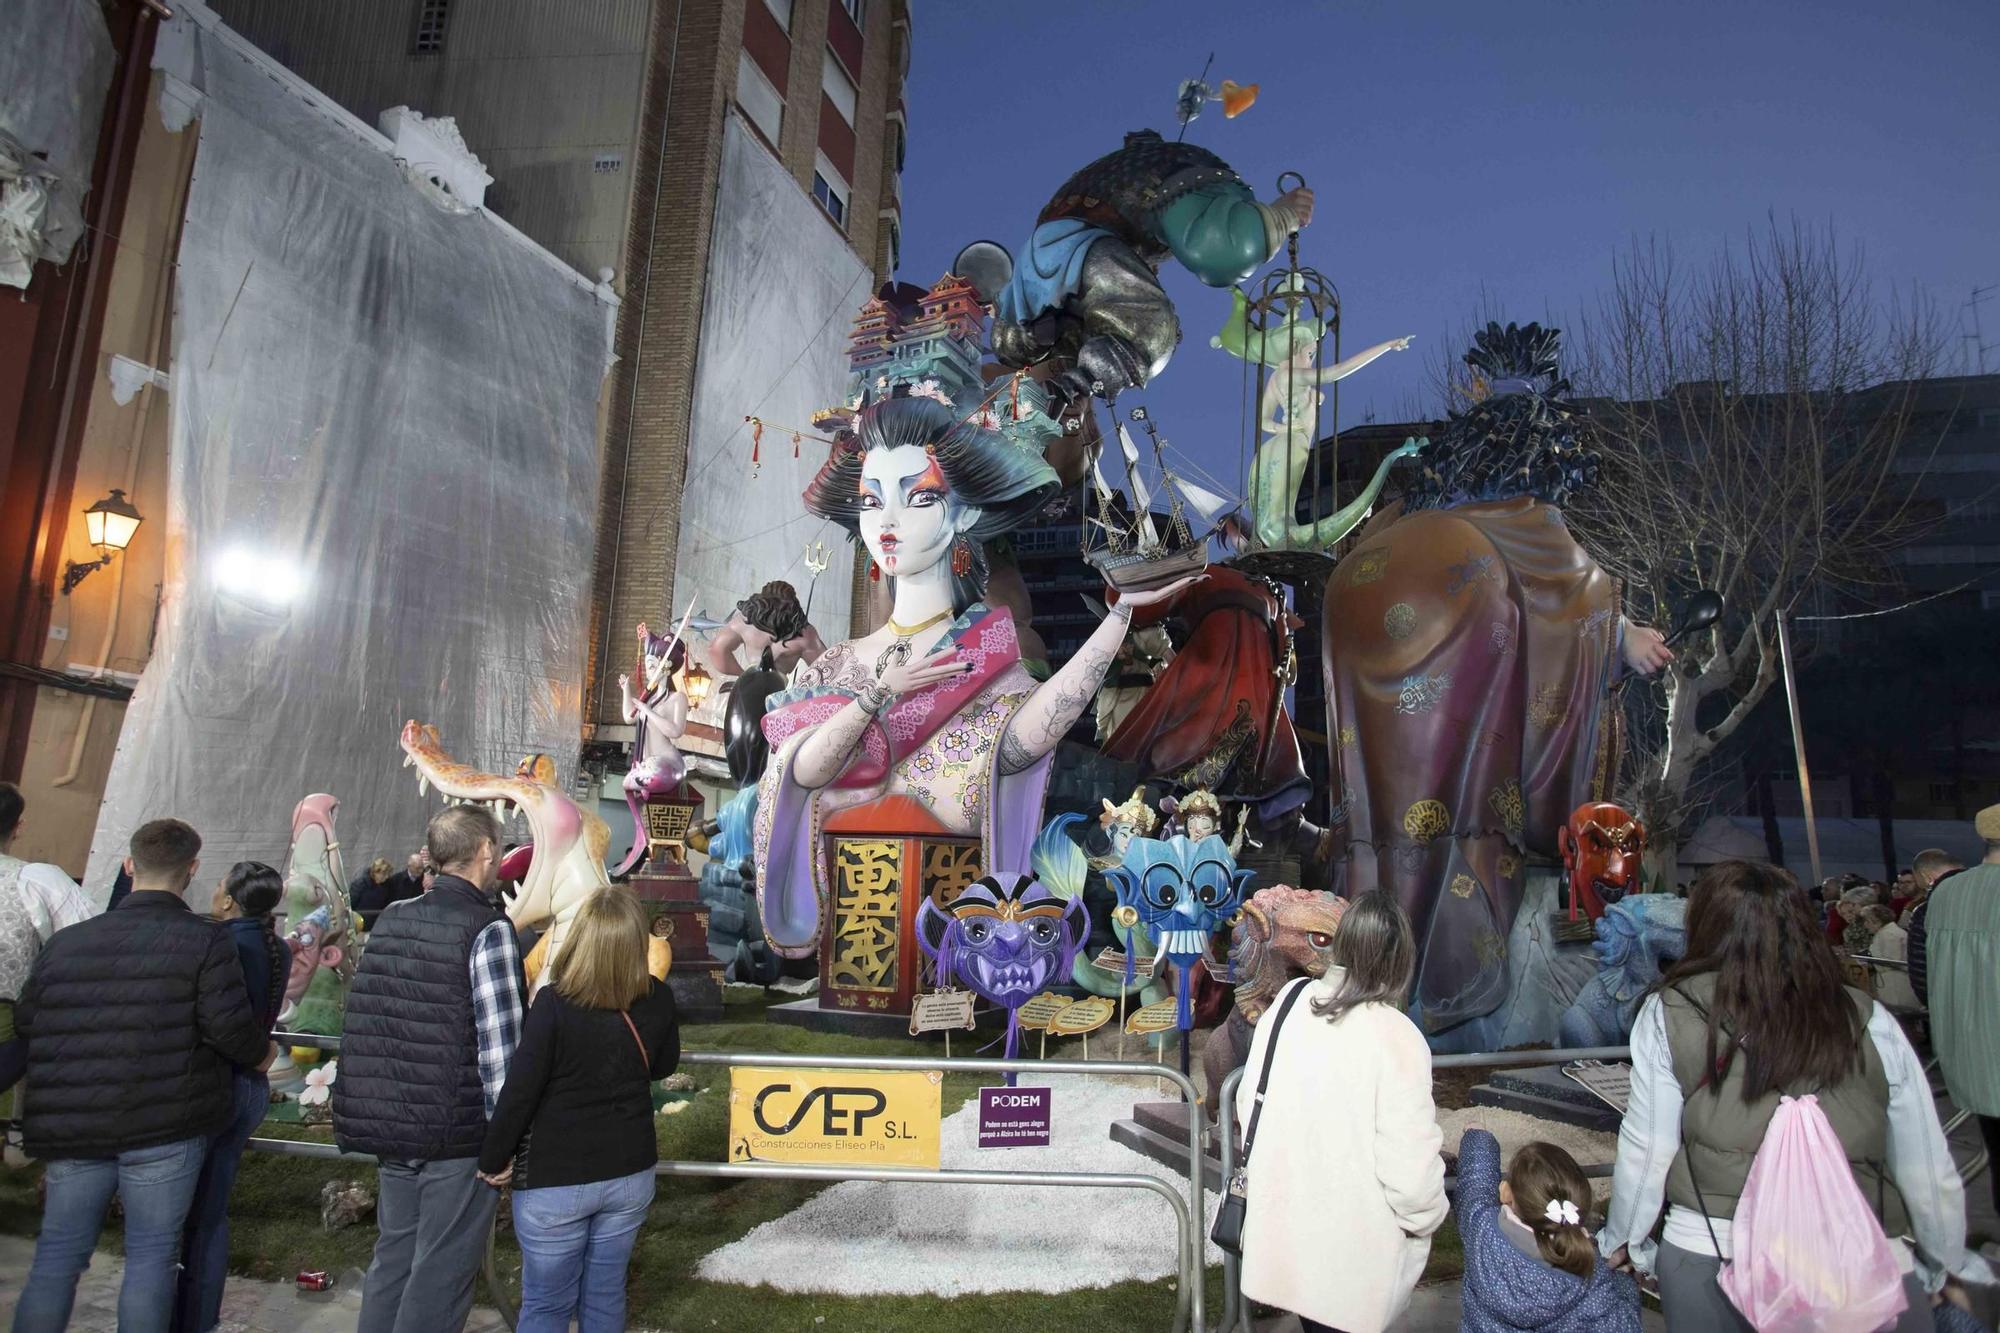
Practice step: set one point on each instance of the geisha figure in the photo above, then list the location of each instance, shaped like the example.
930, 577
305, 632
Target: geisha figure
936, 709
659, 716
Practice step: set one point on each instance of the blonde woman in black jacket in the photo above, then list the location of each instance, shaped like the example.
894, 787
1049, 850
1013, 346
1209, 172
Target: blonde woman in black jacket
573, 1129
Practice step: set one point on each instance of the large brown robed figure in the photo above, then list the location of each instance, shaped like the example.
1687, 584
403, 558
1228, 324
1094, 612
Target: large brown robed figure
1469, 646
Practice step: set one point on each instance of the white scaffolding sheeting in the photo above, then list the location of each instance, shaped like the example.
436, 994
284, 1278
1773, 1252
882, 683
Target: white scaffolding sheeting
783, 288
383, 482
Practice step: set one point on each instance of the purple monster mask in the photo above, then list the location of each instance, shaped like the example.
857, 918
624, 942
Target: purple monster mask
1008, 937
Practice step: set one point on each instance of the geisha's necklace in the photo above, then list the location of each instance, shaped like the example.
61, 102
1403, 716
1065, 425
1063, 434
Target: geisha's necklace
898, 652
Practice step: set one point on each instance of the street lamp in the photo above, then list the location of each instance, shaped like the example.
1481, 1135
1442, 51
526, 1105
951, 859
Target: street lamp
696, 683
110, 524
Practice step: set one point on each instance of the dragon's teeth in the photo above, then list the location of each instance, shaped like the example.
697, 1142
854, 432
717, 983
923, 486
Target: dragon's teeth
408, 760
423, 785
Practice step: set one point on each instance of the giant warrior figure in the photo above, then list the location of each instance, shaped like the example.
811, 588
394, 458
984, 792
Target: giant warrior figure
1469, 645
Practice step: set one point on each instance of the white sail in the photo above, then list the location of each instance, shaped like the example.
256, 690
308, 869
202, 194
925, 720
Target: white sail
1148, 533
1097, 472
1203, 501
1130, 449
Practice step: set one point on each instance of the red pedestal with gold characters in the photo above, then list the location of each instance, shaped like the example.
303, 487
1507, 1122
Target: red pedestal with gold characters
673, 899
883, 858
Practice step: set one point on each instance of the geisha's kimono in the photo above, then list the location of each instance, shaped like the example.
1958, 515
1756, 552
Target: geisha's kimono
938, 747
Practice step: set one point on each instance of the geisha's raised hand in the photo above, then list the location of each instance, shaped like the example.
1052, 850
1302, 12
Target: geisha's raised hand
831, 745
902, 678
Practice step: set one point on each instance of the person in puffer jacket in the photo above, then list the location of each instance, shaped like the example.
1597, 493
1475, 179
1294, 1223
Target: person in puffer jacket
1530, 1260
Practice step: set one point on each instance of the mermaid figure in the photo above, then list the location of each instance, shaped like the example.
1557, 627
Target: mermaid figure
659, 716
932, 718
1288, 417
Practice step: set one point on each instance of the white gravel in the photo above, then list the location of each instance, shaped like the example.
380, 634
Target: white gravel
860, 1238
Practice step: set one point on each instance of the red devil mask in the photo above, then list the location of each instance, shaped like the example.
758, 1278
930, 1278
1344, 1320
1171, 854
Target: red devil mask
1602, 846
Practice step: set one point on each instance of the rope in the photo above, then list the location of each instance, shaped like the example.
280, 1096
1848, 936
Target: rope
1905, 606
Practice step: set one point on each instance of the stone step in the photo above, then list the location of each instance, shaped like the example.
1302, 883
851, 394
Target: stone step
1171, 1153
1564, 1112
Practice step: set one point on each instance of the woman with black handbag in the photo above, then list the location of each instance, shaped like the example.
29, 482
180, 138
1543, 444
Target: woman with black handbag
1343, 1183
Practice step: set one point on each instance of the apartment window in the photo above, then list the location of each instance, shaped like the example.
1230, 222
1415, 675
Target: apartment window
432, 16
1942, 793
858, 11
831, 191
839, 88
759, 99
896, 129
895, 247
781, 10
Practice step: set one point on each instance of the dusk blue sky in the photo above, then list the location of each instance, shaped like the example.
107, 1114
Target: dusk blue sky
1460, 149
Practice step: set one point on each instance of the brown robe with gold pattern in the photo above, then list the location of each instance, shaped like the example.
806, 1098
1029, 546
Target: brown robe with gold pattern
1468, 654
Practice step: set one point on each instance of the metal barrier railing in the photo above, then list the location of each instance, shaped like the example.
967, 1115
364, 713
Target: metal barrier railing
1189, 1310
1190, 1314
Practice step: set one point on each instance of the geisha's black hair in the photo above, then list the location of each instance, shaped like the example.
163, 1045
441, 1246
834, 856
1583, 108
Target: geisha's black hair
1008, 483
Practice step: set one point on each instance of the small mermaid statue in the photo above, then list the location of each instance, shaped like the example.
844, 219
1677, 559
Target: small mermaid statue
1288, 417
659, 715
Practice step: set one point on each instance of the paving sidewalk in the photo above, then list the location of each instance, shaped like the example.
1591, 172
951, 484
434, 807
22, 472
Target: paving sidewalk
247, 1306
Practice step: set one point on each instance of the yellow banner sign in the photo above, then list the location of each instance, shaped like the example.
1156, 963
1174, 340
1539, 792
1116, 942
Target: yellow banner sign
1083, 1016
1155, 1017
1036, 1013
834, 1117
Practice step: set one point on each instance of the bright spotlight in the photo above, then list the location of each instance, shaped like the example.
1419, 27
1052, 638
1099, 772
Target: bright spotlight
258, 576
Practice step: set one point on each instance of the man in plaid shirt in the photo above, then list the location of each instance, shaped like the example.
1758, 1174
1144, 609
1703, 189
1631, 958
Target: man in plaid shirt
432, 1021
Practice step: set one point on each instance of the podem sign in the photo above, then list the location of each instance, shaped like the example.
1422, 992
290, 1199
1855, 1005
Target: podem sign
834, 1117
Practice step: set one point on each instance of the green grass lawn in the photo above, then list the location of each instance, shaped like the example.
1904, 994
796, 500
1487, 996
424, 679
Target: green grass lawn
275, 1228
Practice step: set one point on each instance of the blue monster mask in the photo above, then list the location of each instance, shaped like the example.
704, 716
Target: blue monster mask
1008, 937
1183, 892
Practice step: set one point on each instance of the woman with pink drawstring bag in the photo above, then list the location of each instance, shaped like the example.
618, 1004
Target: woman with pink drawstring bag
1786, 1126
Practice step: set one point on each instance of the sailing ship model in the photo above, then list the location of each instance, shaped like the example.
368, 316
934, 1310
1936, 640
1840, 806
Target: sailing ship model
1136, 555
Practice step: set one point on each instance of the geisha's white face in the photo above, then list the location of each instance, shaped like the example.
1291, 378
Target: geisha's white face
908, 516
1200, 825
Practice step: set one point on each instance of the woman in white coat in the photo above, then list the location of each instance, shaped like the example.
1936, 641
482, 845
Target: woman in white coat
1345, 1185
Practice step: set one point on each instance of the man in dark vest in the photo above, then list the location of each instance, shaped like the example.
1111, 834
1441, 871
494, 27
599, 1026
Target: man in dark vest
432, 1020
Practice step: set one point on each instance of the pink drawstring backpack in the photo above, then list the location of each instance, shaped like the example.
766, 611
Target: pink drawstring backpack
1810, 1255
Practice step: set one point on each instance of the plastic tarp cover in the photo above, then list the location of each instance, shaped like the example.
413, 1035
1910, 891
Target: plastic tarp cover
383, 490
783, 288
55, 69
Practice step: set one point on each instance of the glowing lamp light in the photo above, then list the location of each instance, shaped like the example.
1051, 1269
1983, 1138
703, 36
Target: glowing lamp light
258, 576
109, 524
696, 684
112, 521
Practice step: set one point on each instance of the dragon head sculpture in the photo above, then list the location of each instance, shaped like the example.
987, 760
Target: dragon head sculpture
567, 864
1283, 933
1602, 847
